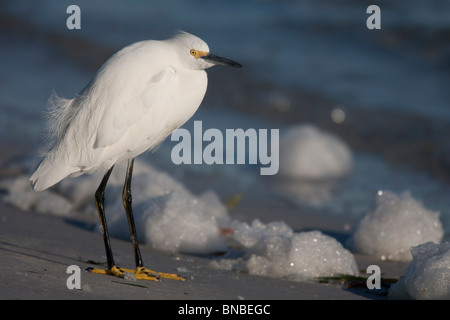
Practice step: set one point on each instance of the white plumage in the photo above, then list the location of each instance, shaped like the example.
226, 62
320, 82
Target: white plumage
137, 98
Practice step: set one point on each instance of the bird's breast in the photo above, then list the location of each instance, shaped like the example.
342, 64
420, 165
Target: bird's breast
191, 90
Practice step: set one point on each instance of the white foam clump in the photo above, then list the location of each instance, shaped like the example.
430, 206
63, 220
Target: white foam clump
310, 153
21, 195
274, 249
395, 225
177, 221
167, 215
427, 276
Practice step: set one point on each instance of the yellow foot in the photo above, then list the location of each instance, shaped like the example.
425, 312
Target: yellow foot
140, 273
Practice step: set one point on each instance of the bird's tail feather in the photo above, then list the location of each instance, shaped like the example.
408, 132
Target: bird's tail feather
48, 174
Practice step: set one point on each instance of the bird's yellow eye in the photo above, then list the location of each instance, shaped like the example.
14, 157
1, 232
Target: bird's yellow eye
193, 52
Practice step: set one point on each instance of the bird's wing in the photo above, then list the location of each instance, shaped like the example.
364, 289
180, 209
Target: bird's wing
153, 100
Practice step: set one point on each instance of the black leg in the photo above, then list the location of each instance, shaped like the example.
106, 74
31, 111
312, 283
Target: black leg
99, 202
127, 199
140, 272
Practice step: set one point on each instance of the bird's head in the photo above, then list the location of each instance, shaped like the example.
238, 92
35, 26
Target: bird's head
194, 53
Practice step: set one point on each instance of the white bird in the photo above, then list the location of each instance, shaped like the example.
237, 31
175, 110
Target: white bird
135, 100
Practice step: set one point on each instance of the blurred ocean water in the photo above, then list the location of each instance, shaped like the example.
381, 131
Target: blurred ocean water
303, 61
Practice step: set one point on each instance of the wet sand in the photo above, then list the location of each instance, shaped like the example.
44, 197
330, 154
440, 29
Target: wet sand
36, 250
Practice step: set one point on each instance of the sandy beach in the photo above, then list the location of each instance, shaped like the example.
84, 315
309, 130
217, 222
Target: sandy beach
37, 249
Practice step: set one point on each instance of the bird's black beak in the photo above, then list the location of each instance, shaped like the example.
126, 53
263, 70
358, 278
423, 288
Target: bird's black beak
222, 61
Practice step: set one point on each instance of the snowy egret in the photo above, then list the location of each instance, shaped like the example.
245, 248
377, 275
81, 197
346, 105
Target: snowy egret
135, 100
